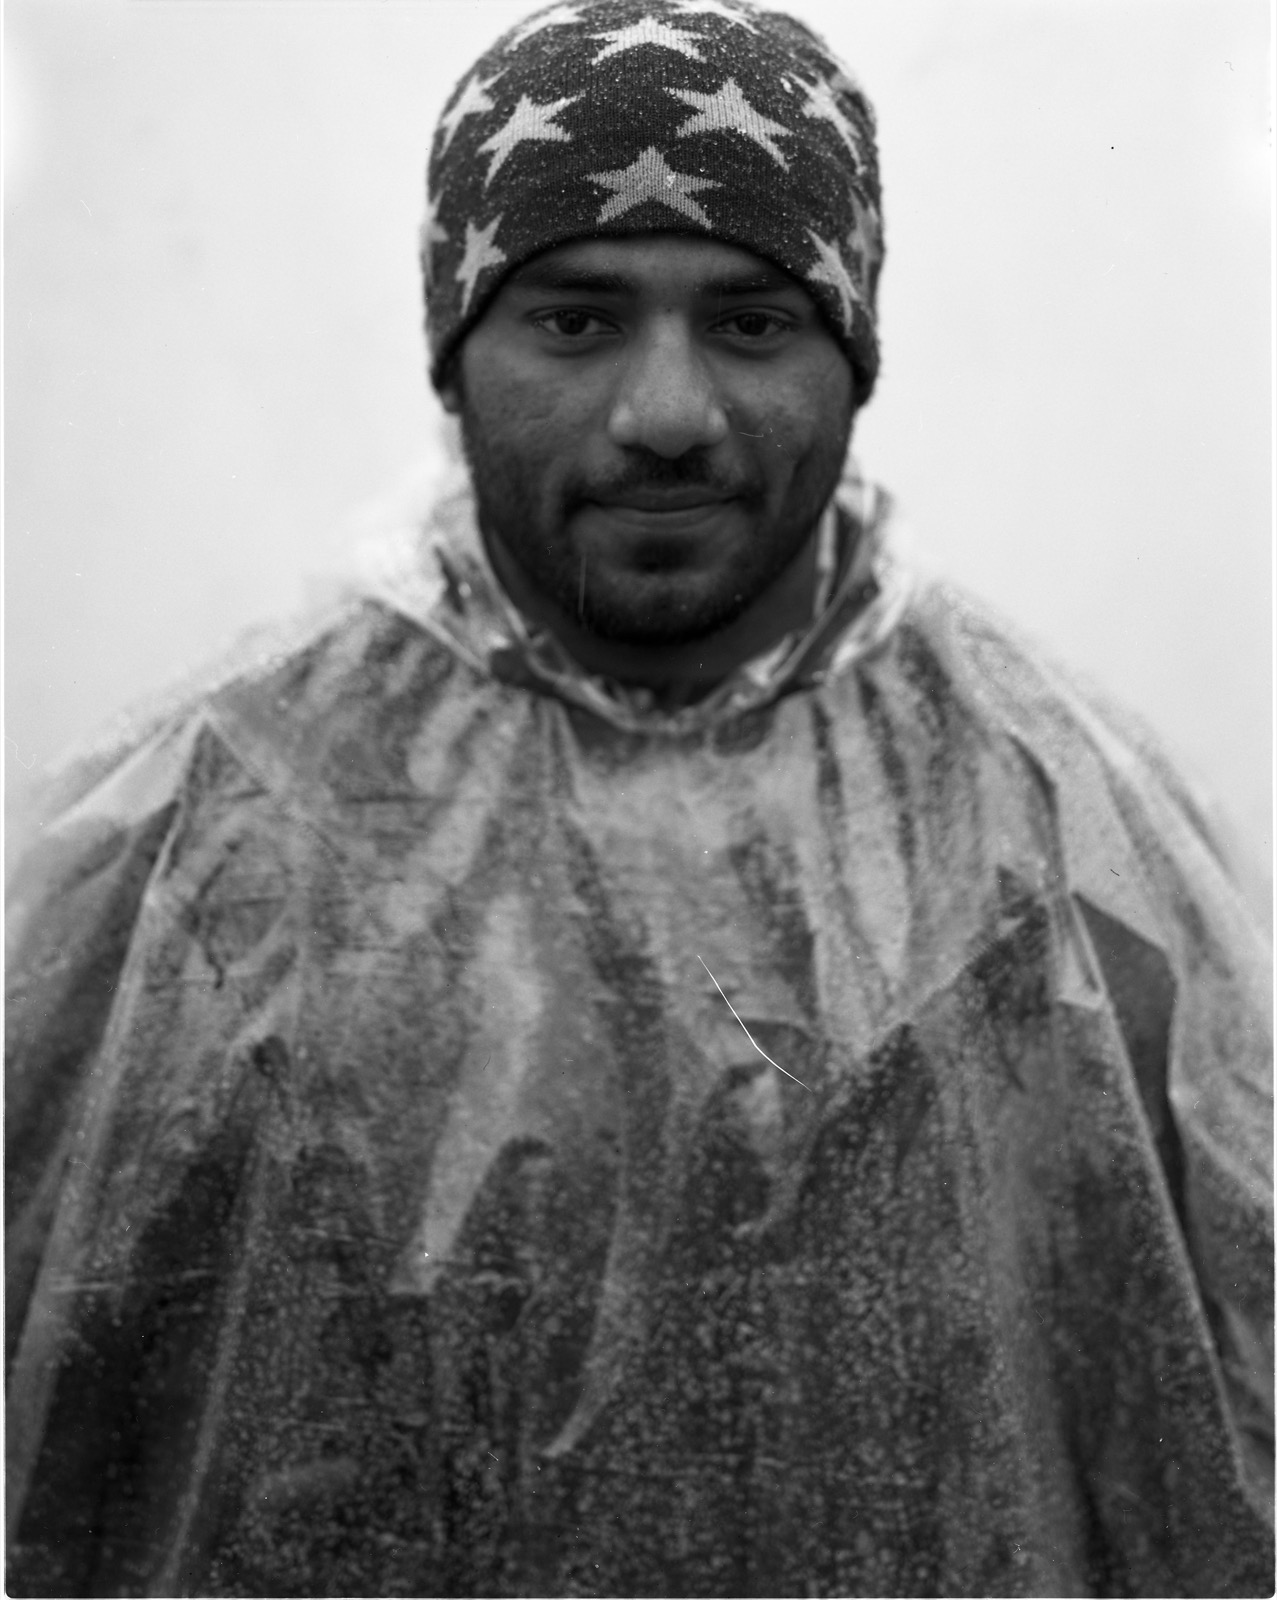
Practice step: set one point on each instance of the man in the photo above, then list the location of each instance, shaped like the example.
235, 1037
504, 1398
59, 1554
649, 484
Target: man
661, 1054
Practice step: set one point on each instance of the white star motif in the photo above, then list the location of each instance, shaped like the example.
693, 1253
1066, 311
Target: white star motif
862, 241
480, 254
714, 8
821, 102
728, 111
432, 233
647, 30
555, 17
472, 100
528, 120
830, 268
845, 83
649, 178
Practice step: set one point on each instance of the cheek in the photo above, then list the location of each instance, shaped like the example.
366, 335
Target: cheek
510, 412
516, 401
803, 415
533, 438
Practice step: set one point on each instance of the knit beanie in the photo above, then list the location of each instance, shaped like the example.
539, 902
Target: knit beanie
712, 118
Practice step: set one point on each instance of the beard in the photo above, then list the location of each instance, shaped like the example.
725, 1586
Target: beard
661, 592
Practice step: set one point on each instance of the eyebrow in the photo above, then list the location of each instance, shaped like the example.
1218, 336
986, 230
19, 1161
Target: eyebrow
755, 282
561, 278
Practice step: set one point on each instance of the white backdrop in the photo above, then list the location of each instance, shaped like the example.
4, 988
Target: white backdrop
214, 357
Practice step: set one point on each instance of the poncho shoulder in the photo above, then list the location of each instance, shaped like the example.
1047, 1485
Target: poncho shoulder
462, 1143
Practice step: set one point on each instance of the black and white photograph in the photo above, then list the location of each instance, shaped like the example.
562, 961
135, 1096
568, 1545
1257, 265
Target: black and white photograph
638, 764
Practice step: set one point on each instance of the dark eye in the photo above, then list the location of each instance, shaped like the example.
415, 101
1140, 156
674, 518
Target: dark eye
753, 325
570, 324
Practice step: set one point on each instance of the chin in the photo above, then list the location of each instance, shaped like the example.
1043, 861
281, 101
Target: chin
657, 612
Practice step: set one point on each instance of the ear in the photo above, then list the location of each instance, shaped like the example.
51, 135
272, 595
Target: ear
448, 383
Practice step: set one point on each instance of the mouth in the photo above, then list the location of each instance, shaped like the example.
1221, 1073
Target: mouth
664, 502
668, 523
673, 513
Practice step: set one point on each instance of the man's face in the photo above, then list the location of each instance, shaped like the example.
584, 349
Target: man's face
653, 426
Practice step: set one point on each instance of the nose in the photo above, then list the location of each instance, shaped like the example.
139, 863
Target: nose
666, 399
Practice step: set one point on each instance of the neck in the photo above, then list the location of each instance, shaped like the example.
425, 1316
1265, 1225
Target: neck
681, 673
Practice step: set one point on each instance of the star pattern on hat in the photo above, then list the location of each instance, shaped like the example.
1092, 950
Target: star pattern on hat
823, 102
830, 268
649, 177
528, 120
480, 254
728, 111
863, 238
471, 102
647, 30
555, 17
843, 82
714, 8
655, 139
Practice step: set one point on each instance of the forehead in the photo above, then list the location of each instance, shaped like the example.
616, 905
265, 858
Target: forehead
656, 263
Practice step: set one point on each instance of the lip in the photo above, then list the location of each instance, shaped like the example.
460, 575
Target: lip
665, 519
654, 502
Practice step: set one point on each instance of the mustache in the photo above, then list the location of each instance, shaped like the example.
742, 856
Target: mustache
644, 469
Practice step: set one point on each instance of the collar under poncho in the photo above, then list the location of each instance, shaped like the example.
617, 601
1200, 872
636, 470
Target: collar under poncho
403, 1199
